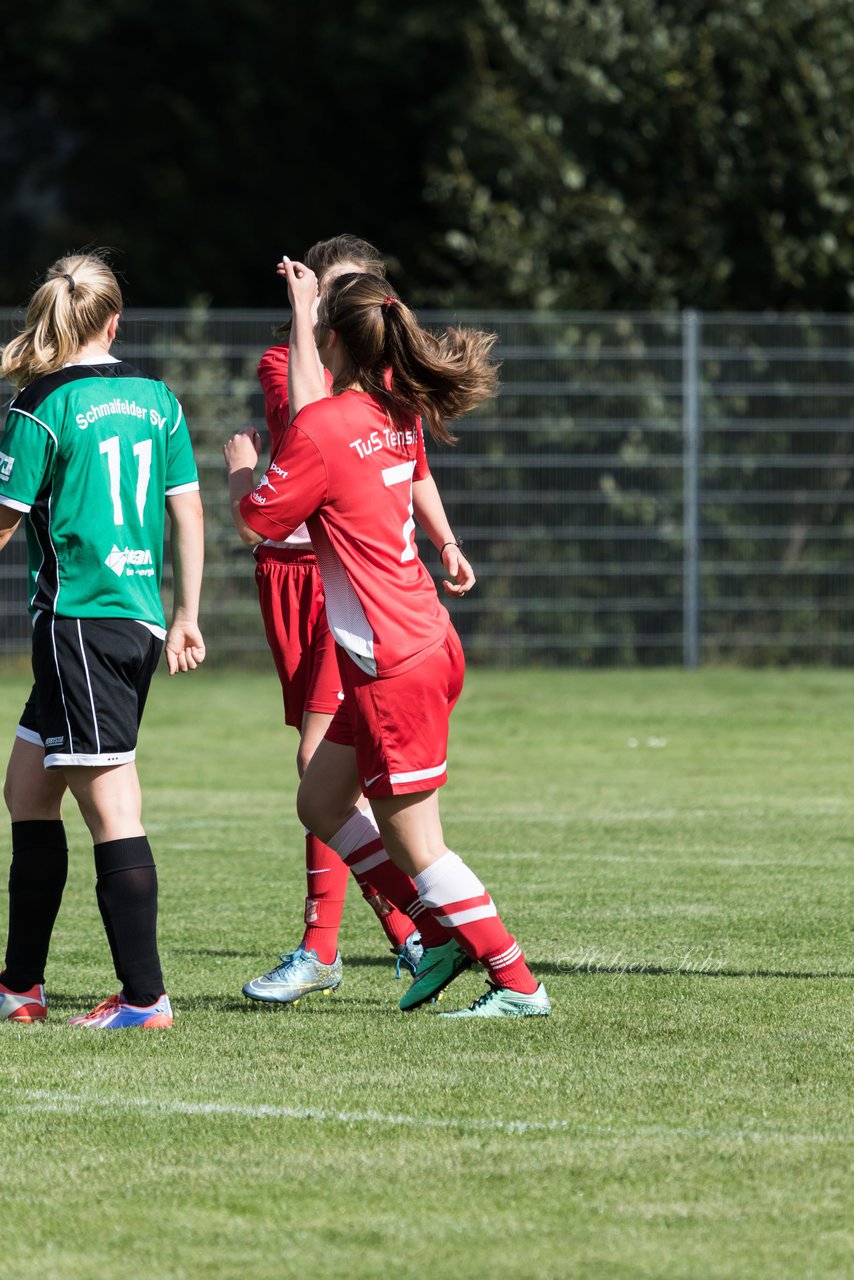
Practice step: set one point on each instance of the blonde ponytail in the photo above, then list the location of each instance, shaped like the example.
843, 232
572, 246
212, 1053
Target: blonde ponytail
78, 297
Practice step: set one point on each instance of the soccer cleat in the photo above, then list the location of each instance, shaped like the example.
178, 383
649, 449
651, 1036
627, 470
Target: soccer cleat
437, 968
408, 954
501, 1002
116, 1013
299, 974
23, 1006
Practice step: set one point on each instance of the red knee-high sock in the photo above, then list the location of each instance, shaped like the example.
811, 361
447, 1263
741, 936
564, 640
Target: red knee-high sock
463, 907
359, 845
326, 881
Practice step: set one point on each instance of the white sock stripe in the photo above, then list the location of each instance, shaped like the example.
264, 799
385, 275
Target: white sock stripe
465, 917
356, 831
367, 864
504, 957
448, 879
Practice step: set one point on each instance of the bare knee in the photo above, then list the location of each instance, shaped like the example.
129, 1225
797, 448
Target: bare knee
31, 792
109, 800
321, 812
329, 789
308, 810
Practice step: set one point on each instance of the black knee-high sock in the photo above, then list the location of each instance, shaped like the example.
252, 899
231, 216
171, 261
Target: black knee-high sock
36, 881
127, 899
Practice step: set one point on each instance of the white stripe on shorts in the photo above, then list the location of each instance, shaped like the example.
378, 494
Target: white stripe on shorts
89, 687
418, 774
29, 735
61, 760
59, 676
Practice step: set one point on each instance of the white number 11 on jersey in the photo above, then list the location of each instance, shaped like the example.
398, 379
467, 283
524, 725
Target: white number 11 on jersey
142, 452
402, 474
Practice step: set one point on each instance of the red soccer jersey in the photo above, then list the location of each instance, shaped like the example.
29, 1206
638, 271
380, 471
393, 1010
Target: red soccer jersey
273, 376
347, 471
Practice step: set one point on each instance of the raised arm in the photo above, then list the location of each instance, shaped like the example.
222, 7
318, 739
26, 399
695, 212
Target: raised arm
430, 514
185, 647
306, 377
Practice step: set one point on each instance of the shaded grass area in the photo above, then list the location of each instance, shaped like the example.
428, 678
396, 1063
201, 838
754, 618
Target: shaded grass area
674, 852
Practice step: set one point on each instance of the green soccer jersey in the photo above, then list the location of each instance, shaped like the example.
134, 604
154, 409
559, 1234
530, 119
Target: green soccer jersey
90, 454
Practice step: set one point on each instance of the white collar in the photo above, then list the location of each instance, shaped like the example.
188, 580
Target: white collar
107, 359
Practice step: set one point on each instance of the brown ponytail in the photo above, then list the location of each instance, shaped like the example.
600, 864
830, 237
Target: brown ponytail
434, 377
78, 297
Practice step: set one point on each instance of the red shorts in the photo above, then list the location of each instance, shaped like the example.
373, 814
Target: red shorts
399, 724
294, 613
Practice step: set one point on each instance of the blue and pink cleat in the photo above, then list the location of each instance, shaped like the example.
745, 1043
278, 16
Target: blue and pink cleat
116, 1013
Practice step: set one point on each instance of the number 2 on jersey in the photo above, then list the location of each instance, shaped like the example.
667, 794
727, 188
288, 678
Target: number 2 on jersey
142, 452
402, 474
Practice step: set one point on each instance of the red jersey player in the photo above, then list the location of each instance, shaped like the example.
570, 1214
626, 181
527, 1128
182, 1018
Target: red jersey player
347, 470
292, 606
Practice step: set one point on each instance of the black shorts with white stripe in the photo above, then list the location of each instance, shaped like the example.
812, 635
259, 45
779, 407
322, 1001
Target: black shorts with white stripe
92, 677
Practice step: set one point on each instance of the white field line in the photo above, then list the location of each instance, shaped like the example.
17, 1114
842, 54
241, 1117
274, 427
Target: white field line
48, 1101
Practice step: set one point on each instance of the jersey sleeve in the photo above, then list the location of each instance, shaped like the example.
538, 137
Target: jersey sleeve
27, 456
273, 376
291, 490
181, 473
422, 466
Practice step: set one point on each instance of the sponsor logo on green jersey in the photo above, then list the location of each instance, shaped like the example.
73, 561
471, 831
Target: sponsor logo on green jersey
131, 562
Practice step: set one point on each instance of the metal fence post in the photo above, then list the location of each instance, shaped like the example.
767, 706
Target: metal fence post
691, 446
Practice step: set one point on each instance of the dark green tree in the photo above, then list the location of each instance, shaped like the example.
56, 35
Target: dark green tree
643, 154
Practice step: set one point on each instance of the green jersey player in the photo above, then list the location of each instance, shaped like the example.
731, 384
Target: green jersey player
94, 453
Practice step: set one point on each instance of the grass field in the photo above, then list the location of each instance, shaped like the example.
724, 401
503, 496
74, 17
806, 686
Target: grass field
674, 851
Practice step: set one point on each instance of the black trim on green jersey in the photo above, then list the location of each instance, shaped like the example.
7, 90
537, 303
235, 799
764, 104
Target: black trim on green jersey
47, 578
29, 398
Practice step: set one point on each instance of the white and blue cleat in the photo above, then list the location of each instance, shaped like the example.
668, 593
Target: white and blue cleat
408, 955
299, 974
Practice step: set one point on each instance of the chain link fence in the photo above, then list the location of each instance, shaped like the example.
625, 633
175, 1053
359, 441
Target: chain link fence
646, 488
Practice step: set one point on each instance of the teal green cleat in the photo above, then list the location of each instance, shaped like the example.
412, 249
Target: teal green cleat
501, 1002
299, 974
437, 968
